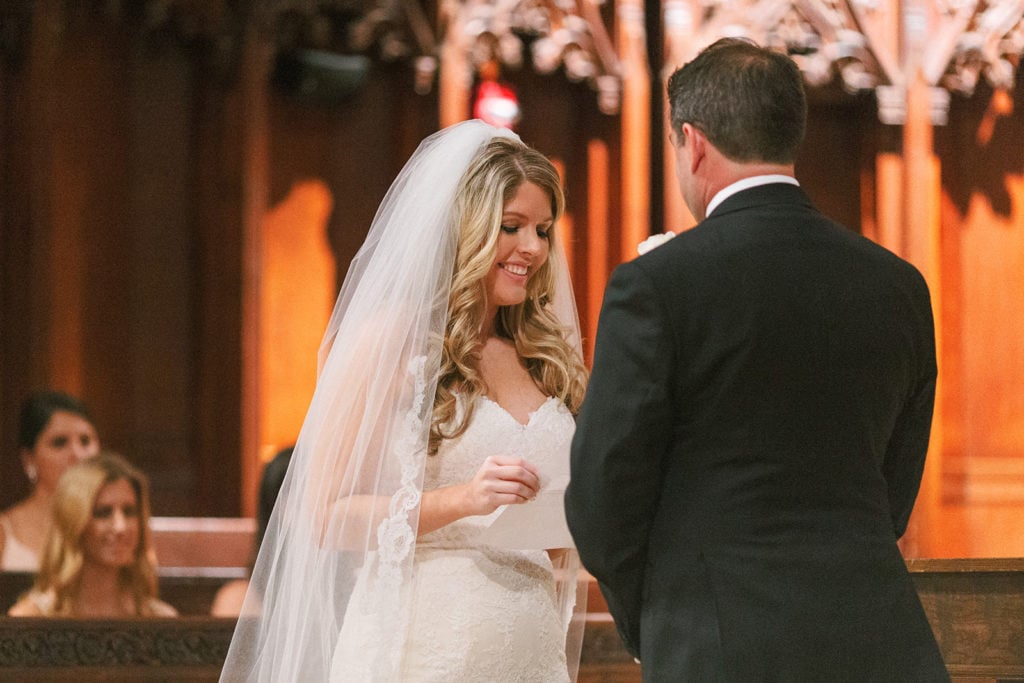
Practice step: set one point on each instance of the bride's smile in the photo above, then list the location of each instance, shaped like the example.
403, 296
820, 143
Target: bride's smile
523, 244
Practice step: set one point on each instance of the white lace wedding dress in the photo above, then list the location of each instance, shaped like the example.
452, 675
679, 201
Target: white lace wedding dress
477, 613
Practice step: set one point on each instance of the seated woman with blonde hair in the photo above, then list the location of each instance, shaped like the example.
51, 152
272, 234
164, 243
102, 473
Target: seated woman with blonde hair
97, 561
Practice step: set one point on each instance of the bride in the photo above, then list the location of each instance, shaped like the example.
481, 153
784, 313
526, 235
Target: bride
450, 375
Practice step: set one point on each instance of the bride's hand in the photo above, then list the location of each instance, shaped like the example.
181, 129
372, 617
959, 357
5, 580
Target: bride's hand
501, 480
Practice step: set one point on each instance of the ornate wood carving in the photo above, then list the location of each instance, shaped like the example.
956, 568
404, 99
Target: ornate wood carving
557, 33
568, 34
975, 609
867, 44
401, 29
990, 45
945, 43
391, 29
42, 643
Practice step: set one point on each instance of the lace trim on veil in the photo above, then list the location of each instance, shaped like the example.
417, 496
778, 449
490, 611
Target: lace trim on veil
396, 537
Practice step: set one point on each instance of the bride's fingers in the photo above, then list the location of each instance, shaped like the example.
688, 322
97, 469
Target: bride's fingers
493, 492
503, 480
512, 461
514, 469
511, 487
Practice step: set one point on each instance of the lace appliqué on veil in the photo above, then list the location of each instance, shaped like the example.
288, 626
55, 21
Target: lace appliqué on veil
395, 535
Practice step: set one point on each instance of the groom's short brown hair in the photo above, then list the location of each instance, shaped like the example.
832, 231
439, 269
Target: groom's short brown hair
748, 100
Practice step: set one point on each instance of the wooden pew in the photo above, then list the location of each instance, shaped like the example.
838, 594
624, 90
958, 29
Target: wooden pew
87, 650
203, 541
191, 649
976, 609
190, 590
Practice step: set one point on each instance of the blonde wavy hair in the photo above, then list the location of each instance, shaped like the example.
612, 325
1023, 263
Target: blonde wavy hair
540, 339
63, 557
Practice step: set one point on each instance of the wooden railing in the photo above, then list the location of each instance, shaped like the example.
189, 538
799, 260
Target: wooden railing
190, 590
86, 650
203, 541
976, 609
192, 649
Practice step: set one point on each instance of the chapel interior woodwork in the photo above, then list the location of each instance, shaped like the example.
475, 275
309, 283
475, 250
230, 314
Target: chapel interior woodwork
973, 606
182, 184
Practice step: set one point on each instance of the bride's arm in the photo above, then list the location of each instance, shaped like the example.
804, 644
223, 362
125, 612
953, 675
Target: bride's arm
501, 480
349, 484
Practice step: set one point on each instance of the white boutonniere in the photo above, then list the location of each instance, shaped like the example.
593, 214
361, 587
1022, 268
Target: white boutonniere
654, 241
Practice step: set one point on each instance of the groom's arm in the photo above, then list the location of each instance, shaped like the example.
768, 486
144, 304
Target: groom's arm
622, 433
908, 444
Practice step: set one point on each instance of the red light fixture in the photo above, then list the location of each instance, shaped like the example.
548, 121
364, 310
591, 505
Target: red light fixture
495, 101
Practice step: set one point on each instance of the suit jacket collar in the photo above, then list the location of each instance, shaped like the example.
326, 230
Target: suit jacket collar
773, 193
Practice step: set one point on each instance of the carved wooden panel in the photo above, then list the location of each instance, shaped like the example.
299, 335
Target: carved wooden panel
976, 609
42, 646
194, 648
866, 44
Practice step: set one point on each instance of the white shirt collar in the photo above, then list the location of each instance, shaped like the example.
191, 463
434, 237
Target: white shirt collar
746, 184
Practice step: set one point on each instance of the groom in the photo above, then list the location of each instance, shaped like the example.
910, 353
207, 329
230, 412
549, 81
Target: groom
754, 433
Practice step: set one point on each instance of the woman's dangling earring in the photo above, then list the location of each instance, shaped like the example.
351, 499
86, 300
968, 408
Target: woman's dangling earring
31, 473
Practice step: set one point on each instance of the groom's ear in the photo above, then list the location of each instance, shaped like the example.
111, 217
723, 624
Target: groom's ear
697, 142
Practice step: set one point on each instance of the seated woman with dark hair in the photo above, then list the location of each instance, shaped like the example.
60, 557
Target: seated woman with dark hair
54, 432
97, 561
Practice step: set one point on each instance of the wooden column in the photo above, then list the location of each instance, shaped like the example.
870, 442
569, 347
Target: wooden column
255, 75
56, 277
231, 199
680, 42
631, 39
455, 80
921, 197
598, 230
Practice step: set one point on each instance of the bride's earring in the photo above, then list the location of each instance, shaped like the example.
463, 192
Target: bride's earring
31, 473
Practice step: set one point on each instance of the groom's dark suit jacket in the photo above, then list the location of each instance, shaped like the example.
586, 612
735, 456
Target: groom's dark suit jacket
750, 448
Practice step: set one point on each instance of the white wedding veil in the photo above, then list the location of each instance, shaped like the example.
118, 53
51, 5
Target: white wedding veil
353, 487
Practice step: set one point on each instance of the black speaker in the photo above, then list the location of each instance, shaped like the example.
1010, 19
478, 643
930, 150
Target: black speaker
319, 77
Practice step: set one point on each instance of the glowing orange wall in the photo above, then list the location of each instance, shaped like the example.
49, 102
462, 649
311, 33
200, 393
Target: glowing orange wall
979, 509
297, 287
